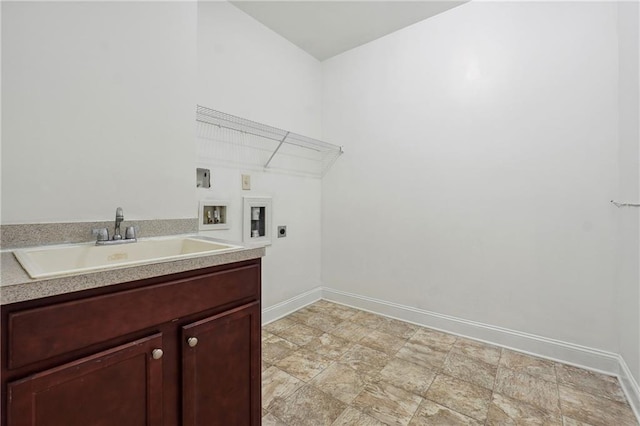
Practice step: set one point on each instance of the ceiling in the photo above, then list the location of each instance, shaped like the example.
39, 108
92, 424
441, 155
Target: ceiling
328, 28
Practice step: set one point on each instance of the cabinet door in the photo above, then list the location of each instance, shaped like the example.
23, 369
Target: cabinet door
221, 369
121, 386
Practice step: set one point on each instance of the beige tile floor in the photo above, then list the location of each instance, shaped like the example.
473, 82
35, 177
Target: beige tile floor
328, 364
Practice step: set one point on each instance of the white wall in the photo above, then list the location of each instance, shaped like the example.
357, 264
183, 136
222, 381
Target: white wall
481, 157
247, 70
628, 220
482, 150
98, 105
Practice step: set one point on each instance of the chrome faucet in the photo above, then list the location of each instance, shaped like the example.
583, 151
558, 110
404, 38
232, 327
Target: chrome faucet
102, 234
119, 219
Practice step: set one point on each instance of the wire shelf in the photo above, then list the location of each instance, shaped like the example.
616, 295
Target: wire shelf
232, 141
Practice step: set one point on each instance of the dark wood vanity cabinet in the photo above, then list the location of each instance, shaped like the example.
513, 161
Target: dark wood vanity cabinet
178, 350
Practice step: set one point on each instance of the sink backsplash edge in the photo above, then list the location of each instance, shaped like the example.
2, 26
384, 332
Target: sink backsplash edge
35, 234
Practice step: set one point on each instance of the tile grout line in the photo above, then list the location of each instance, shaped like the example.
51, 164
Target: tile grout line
529, 403
495, 382
437, 372
555, 370
277, 418
422, 399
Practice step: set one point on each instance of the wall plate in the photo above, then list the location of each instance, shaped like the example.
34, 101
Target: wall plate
246, 182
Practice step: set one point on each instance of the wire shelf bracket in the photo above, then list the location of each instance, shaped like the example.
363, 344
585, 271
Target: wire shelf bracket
615, 203
276, 151
235, 141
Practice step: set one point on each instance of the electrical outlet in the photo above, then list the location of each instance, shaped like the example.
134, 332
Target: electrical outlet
246, 182
282, 231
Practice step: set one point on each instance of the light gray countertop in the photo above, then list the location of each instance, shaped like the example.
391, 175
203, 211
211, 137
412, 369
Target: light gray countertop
17, 286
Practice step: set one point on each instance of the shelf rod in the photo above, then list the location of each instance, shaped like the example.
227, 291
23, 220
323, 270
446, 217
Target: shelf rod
625, 204
274, 152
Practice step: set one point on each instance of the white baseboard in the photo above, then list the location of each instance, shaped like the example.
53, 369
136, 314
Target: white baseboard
568, 353
286, 307
629, 386
523, 342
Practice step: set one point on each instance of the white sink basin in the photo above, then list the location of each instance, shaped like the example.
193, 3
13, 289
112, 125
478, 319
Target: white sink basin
51, 261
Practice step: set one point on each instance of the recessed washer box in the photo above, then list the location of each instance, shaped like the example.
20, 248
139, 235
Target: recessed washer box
213, 214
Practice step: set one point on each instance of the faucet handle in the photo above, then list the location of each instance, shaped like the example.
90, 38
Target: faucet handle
130, 232
101, 233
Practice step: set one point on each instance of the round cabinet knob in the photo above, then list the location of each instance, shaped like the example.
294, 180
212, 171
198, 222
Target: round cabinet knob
192, 341
157, 354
